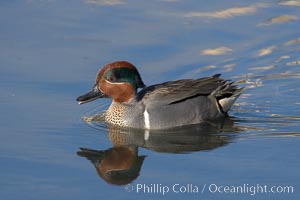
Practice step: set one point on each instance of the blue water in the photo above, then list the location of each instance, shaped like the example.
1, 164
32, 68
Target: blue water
51, 51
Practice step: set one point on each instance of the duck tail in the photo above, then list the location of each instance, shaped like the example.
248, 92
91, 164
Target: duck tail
226, 94
227, 102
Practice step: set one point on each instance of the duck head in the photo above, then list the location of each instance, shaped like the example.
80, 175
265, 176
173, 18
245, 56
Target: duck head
118, 80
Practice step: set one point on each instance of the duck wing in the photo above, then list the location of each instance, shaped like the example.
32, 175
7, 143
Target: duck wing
176, 91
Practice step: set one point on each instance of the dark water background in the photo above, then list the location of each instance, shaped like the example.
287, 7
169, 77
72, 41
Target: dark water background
51, 50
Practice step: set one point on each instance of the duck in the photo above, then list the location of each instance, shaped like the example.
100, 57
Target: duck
164, 105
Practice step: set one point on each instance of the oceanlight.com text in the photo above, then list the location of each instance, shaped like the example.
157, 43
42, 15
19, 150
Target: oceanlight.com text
212, 188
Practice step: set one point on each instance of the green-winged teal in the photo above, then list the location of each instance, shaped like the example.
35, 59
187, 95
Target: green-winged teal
161, 106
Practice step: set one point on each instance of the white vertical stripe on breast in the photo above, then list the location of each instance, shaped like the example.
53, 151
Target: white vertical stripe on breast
146, 119
146, 135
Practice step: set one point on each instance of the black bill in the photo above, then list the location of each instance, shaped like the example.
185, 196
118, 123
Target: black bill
94, 94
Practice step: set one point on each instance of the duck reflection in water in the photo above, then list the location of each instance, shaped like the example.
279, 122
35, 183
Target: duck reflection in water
121, 164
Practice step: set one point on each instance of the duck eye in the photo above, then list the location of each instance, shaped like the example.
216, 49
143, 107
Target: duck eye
111, 78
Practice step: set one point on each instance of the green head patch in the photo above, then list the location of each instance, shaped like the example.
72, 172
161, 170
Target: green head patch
124, 75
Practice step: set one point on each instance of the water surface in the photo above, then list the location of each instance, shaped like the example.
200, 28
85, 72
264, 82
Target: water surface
51, 51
